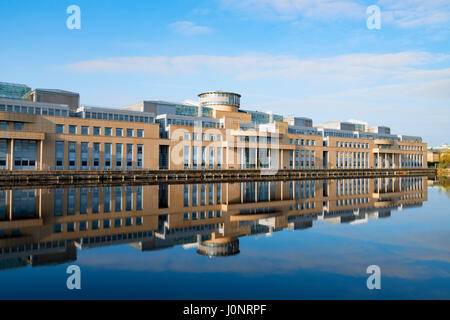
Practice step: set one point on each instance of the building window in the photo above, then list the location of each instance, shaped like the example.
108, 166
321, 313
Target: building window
140, 155
84, 155
57, 228
129, 156
84, 130
97, 131
59, 155
108, 132
119, 132
59, 128
108, 155
129, 132
140, 133
18, 126
118, 156
72, 155
72, 129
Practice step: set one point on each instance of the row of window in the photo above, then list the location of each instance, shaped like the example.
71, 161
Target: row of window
348, 202
18, 126
302, 142
95, 225
97, 131
118, 117
203, 136
352, 187
303, 205
214, 158
343, 144
91, 158
36, 110
201, 215
352, 160
200, 190
306, 161
109, 194
256, 139
191, 123
412, 148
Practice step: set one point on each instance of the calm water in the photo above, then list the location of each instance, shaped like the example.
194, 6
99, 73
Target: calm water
277, 240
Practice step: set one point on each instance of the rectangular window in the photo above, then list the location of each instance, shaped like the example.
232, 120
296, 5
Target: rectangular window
128, 198
194, 157
108, 156
72, 129
59, 155
72, 155
118, 156
96, 156
59, 128
108, 132
84, 155
119, 132
107, 199
18, 126
140, 133
97, 131
118, 199
84, 130
129, 156
140, 156
186, 195
139, 200
129, 132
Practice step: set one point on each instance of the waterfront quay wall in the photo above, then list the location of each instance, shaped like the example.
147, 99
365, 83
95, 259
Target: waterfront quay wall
69, 177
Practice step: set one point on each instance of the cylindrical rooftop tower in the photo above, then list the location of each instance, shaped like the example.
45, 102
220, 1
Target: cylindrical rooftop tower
220, 100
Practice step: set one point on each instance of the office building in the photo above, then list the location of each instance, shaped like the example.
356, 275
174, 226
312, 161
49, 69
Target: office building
50, 130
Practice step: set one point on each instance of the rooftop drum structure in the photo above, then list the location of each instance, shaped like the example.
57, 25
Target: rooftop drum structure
220, 100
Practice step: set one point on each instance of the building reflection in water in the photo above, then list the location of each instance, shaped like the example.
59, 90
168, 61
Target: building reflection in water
48, 226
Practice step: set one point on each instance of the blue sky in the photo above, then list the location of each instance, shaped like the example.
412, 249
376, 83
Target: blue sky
294, 57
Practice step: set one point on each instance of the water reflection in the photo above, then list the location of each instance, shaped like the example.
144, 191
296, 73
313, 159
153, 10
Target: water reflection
48, 226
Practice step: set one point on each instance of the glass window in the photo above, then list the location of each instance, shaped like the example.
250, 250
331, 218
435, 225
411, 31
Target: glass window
97, 131
119, 132
59, 128
4, 125
84, 130
129, 132
108, 131
72, 129
140, 133
18, 126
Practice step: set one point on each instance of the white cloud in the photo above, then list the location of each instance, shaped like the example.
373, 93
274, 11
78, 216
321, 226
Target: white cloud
350, 67
402, 13
415, 13
289, 9
189, 28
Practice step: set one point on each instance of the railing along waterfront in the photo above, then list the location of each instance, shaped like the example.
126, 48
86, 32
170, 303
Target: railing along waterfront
193, 175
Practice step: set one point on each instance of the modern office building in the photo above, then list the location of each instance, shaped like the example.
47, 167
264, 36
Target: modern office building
49, 130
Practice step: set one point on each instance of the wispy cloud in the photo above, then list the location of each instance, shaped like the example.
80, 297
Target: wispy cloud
290, 9
401, 13
404, 65
415, 13
189, 28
